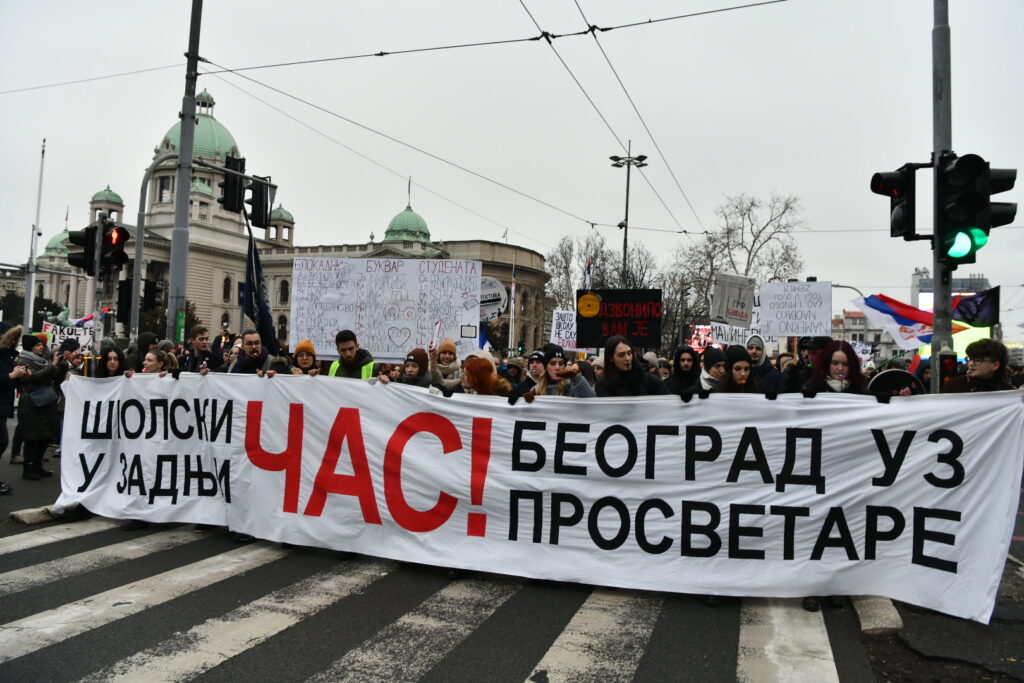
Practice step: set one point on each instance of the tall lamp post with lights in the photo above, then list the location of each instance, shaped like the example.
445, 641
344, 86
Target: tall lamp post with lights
618, 162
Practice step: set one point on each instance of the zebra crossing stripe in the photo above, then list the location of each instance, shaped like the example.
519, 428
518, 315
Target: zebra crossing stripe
415, 643
35, 632
64, 567
52, 534
781, 641
192, 653
604, 640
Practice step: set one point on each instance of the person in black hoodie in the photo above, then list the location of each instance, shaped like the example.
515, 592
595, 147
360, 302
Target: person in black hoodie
712, 371
685, 371
253, 359
623, 374
739, 375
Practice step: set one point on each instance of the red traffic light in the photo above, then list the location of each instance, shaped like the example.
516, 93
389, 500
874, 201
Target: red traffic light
115, 236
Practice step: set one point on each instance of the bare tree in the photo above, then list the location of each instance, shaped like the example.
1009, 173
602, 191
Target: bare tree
559, 264
757, 236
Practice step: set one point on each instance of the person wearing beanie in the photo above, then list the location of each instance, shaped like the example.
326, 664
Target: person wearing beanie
685, 371
712, 370
560, 378
767, 376
444, 362
514, 371
417, 369
38, 415
739, 376
305, 359
799, 373
623, 375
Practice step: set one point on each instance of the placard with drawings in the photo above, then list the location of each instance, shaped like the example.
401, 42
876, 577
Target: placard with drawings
392, 305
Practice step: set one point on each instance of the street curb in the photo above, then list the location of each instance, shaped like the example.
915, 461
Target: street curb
33, 515
876, 614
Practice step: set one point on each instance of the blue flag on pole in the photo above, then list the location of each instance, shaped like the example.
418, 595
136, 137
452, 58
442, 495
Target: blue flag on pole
254, 298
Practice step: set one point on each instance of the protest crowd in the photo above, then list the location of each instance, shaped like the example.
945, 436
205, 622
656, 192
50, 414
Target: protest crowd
31, 372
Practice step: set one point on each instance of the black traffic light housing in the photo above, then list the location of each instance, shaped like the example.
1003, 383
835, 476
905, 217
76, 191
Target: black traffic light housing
233, 186
151, 294
965, 212
261, 201
899, 186
947, 367
85, 259
112, 254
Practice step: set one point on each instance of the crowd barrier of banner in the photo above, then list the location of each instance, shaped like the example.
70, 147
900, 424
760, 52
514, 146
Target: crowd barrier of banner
728, 495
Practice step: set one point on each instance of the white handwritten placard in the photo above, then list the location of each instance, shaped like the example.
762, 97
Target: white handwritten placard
392, 305
794, 309
563, 328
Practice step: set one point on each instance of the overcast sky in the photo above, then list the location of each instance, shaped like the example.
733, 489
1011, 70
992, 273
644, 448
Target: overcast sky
804, 97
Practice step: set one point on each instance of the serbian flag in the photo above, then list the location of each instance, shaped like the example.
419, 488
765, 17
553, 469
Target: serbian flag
909, 327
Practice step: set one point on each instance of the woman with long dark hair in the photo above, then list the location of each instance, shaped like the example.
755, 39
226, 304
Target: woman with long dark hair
836, 369
112, 363
623, 376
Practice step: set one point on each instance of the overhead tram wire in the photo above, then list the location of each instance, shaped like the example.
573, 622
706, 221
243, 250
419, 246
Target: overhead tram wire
388, 53
598, 110
408, 145
373, 161
592, 29
89, 80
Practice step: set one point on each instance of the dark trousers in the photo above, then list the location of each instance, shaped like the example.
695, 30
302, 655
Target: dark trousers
33, 451
16, 441
5, 440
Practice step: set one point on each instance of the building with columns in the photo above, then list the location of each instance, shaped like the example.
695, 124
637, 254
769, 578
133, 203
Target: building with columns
218, 244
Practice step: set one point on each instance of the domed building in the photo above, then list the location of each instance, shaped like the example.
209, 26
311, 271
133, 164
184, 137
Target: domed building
218, 243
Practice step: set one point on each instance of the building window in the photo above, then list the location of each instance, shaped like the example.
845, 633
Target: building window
165, 191
67, 294
284, 293
41, 293
282, 327
204, 211
227, 290
524, 299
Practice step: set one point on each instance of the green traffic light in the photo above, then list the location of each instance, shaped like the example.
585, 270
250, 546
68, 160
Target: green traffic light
961, 246
978, 237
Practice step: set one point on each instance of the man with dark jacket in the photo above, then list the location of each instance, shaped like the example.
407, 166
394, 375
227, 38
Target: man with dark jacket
253, 359
199, 355
987, 369
797, 374
353, 362
767, 376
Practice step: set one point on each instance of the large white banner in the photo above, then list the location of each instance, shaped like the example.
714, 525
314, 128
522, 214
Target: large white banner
392, 305
796, 309
729, 495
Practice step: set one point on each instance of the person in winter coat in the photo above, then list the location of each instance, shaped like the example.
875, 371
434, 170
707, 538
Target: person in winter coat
623, 373
739, 375
304, 359
988, 369
199, 355
797, 375
685, 371
712, 371
10, 373
924, 373
112, 363
147, 342
253, 359
479, 376
417, 370
444, 361
353, 361
514, 371
836, 369
767, 376
559, 380
37, 409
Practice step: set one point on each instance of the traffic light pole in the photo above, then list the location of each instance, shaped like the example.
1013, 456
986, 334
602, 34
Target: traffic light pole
97, 281
30, 275
942, 141
179, 235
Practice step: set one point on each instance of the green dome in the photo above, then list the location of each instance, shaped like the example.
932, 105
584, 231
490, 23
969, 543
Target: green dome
281, 214
407, 225
56, 246
212, 140
107, 195
199, 186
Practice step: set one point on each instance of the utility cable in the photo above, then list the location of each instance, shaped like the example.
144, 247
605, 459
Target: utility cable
370, 159
637, 110
89, 80
598, 110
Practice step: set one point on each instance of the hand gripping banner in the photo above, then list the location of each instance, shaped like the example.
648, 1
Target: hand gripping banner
729, 495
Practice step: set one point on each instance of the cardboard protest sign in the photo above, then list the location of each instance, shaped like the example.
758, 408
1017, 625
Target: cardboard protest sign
392, 305
796, 309
729, 495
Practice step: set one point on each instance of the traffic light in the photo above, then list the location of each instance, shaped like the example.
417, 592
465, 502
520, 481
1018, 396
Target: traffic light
964, 210
898, 185
86, 259
947, 366
151, 294
261, 202
124, 302
112, 255
233, 187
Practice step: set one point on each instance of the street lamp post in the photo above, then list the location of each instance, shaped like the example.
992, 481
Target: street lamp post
618, 162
